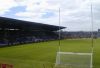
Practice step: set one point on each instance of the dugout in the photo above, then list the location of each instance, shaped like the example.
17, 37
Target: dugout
13, 31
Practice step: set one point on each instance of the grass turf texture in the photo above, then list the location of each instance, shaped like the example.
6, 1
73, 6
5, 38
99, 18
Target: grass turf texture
43, 55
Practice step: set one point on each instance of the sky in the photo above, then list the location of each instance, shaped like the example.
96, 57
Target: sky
74, 14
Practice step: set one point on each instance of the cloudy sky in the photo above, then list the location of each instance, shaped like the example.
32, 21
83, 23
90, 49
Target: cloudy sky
75, 14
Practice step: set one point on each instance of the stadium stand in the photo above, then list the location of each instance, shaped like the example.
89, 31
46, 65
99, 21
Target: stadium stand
13, 31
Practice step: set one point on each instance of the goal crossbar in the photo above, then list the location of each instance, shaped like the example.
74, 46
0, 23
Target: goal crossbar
74, 53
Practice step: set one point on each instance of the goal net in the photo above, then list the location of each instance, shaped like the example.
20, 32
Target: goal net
73, 60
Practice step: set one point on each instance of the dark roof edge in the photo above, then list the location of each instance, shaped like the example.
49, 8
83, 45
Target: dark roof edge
30, 22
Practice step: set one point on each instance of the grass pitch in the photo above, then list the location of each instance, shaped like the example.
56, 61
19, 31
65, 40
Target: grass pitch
43, 55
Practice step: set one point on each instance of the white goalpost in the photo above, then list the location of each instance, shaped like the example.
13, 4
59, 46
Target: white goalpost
73, 59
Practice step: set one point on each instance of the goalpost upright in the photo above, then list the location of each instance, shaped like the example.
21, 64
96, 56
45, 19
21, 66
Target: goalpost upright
92, 35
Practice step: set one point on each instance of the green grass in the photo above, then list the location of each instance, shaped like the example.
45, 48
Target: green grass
38, 55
